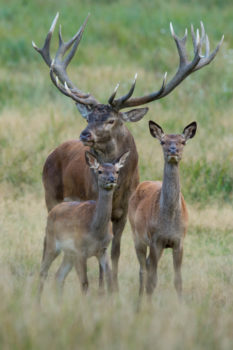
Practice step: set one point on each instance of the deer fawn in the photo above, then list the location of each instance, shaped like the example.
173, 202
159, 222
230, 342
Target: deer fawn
158, 213
82, 229
66, 175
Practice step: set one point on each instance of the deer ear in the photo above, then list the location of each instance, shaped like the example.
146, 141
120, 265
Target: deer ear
91, 160
119, 163
190, 131
84, 110
156, 130
134, 115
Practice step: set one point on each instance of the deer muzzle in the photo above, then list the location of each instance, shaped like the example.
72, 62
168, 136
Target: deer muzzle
86, 137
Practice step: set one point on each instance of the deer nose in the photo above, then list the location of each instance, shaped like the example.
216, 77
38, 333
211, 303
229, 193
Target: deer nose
172, 149
85, 135
112, 179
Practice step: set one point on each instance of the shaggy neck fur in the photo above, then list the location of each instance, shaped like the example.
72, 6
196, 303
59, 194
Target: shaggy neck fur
109, 150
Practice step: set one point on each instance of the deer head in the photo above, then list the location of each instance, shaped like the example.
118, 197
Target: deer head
172, 144
104, 119
107, 173
104, 123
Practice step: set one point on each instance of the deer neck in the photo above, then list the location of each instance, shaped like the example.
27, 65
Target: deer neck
102, 214
115, 146
170, 198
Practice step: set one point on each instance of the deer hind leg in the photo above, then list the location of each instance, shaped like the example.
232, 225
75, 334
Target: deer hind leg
81, 269
118, 227
49, 255
63, 271
177, 262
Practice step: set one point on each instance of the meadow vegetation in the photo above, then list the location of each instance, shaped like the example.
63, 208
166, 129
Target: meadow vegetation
121, 38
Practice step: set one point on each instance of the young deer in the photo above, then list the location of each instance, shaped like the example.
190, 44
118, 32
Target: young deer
82, 229
66, 175
158, 213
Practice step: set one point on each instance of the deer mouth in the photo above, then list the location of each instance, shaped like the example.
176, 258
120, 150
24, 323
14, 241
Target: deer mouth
87, 142
110, 186
173, 158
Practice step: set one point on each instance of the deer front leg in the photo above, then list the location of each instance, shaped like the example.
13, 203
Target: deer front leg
106, 271
118, 227
141, 250
177, 262
152, 263
101, 279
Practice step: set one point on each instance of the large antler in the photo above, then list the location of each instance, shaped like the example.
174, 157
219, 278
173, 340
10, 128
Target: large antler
185, 69
58, 65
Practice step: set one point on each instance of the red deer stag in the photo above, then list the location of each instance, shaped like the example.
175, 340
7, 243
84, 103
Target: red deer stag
66, 175
82, 229
158, 213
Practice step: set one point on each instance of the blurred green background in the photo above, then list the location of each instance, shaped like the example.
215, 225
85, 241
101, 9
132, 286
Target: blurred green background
121, 38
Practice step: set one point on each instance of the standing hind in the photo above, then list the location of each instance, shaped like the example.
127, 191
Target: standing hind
158, 213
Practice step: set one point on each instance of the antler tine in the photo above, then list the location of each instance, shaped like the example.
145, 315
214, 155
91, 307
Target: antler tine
180, 43
203, 34
111, 98
207, 45
61, 42
121, 100
196, 40
76, 40
44, 51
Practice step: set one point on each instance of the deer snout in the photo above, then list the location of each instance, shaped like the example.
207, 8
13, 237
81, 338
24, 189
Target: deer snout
86, 136
112, 179
172, 150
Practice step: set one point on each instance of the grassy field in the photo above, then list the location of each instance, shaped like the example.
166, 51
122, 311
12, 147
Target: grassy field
122, 37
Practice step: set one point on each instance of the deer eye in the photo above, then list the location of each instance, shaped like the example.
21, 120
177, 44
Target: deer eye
117, 171
183, 142
111, 121
162, 142
100, 172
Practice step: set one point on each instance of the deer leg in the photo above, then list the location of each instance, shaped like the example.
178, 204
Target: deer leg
64, 269
101, 278
118, 227
141, 250
151, 264
103, 262
81, 269
177, 262
49, 255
